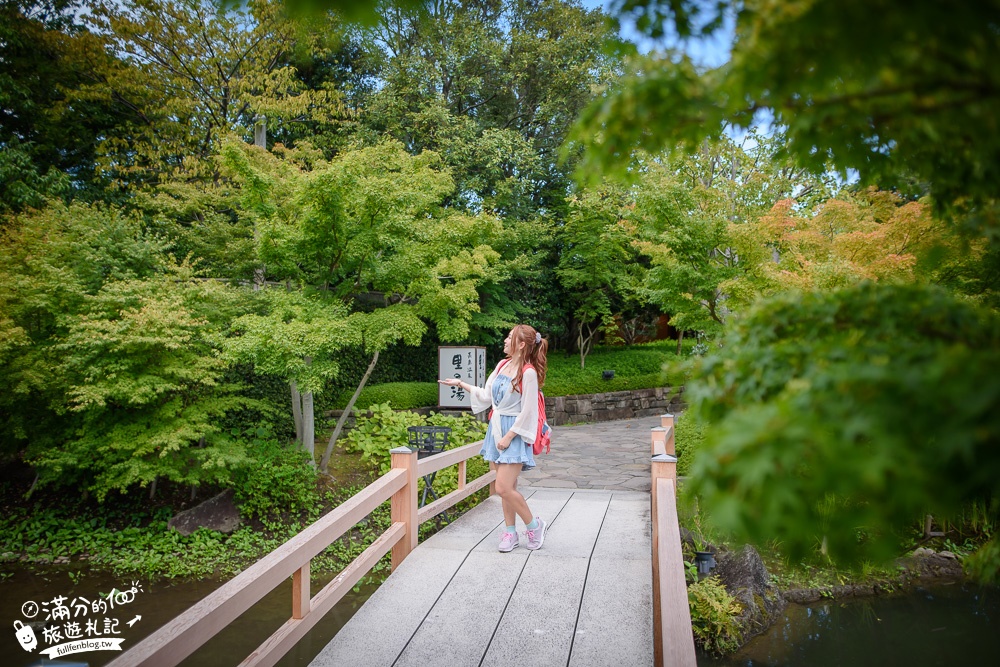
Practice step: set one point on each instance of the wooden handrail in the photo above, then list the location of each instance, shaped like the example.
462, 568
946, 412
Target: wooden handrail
449, 458
428, 512
182, 636
673, 640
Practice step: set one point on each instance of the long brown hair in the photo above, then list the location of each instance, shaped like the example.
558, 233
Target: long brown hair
532, 353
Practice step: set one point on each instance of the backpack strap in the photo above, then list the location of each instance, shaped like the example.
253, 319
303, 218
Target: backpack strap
503, 362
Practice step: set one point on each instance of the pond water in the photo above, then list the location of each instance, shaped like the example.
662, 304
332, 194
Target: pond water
939, 625
156, 604
925, 626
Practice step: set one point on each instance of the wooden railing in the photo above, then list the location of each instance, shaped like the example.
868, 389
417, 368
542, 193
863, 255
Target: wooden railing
182, 636
673, 641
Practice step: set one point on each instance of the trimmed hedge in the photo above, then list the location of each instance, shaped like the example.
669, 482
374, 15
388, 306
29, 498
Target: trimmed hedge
401, 395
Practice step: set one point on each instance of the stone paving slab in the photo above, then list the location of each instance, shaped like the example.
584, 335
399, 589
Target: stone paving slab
612, 455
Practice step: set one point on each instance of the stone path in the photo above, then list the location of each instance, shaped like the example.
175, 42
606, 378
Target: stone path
607, 455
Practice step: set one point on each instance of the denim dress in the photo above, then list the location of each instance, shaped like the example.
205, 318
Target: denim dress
519, 451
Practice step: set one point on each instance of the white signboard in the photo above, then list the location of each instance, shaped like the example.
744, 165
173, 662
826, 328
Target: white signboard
465, 363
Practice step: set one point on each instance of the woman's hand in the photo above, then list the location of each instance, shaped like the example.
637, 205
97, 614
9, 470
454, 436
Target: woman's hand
451, 382
505, 441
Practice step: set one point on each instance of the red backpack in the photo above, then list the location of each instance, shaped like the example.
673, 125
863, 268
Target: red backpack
543, 436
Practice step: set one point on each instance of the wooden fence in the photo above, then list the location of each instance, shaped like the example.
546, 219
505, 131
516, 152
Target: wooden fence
182, 636
673, 641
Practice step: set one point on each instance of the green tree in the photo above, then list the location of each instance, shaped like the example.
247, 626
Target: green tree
697, 216
45, 57
893, 91
842, 417
190, 73
691, 255
902, 94
597, 267
22, 186
148, 386
110, 365
493, 87
301, 337
367, 233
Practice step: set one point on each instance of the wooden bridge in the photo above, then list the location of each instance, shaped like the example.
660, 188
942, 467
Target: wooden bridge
607, 587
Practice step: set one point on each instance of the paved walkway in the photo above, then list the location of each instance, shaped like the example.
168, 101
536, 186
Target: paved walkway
608, 455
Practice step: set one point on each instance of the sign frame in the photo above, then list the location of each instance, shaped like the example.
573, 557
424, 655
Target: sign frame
471, 368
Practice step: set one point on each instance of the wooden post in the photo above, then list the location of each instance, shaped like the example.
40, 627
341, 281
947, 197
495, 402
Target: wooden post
493, 484
658, 440
461, 474
300, 592
667, 422
403, 504
664, 467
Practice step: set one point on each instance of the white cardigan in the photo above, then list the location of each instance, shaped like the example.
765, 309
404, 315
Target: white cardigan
522, 404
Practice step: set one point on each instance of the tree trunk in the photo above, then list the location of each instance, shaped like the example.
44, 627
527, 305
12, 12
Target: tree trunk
308, 424
308, 427
347, 411
260, 140
296, 411
585, 344
680, 337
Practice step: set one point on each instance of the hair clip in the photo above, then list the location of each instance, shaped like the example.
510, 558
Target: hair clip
538, 338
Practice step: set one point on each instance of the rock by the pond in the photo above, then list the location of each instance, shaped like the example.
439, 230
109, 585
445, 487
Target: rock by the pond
924, 563
747, 579
217, 513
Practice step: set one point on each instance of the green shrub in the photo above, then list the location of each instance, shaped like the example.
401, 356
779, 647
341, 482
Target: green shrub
689, 436
276, 479
402, 395
374, 436
714, 615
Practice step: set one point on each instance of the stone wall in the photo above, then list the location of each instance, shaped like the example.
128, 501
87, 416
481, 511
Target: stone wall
587, 407
613, 405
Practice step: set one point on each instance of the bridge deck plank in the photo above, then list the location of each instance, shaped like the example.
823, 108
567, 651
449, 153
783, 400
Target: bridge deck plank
616, 617
456, 601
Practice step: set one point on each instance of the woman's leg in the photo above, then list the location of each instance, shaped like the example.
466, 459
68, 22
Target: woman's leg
512, 501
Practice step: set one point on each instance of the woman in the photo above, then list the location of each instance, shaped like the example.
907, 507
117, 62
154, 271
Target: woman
512, 392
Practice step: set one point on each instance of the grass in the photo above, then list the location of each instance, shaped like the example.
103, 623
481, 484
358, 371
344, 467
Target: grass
819, 573
635, 367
